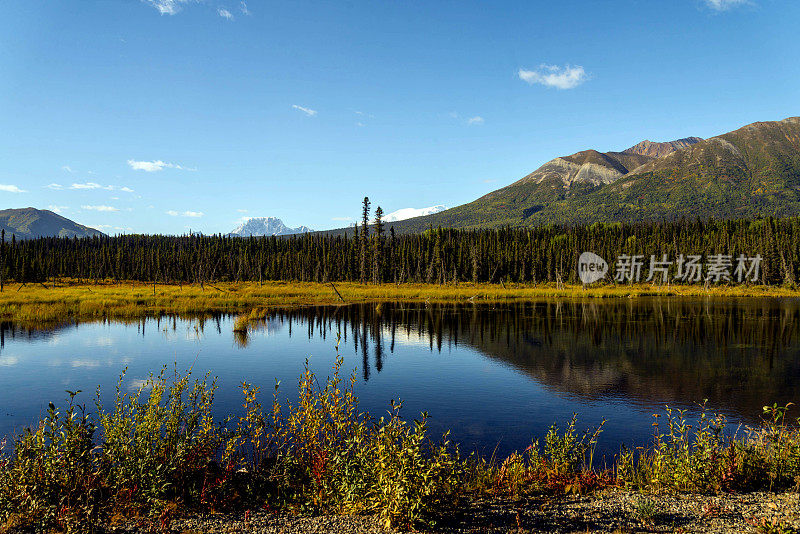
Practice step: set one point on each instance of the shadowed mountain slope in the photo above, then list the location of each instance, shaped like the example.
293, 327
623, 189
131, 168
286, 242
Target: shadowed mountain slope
29, 223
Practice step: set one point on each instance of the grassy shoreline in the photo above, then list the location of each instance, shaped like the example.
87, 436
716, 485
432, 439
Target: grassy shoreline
159, 455
72, 300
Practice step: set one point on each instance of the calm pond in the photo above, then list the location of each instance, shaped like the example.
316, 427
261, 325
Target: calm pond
496, 375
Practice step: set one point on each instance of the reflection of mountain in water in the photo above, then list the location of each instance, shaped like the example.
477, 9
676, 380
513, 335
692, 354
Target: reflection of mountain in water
738, 354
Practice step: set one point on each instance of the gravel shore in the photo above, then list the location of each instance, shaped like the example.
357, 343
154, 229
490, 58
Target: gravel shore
609, 511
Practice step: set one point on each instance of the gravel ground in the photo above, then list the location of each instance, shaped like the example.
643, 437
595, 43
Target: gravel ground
612, 511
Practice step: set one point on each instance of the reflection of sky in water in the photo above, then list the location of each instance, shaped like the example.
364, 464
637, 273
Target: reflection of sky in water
484, 398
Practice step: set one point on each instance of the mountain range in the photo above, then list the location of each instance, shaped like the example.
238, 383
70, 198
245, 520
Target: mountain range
266, 226
30, 223
747, 173
751, 172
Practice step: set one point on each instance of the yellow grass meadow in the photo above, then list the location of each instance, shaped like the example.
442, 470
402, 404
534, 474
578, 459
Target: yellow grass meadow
71, 300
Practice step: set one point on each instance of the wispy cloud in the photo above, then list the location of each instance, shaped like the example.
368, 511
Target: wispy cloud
566, 77
469, 121
68, 169
194, 214
168, 7
225, 14
90, 185
307, 111
722, 5
11, 188
155, 166
57, 209
57, 187
242, 211
99, 208
341, 219
243, 8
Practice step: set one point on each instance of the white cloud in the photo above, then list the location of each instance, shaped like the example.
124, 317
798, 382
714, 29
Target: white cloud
307, 111
194, 214
566, 77
100, 208
11, 188
225, 14
242, 211
341, 218
89, 185
57, 187
475, 120
167, 7
155, 166
360, 124
243, 8
722, 5
57, 209
407, 213
93, 185
68, 169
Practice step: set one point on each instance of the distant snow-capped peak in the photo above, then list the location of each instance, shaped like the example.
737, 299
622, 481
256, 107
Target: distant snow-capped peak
408, 213
261, 226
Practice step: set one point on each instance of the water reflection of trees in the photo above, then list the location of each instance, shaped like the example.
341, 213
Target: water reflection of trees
739, 354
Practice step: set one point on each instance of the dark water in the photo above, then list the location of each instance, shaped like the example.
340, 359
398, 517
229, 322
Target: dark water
496, 375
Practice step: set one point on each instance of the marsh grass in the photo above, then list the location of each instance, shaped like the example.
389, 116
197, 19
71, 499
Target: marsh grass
71, 300
158, 453
701, 457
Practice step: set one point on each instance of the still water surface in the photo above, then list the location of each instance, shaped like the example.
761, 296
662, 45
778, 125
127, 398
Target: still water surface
496, 375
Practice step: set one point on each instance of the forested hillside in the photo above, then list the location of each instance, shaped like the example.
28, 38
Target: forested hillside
547, 253
748, 173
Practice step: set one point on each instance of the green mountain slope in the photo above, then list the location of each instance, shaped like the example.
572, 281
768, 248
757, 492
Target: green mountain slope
28, 223
751, 172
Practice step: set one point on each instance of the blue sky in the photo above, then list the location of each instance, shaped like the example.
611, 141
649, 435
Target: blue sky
157, 116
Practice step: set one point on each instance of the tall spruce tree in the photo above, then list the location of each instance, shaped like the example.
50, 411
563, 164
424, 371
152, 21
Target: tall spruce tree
377, 251
364, 240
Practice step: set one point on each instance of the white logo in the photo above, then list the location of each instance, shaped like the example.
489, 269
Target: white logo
591, 267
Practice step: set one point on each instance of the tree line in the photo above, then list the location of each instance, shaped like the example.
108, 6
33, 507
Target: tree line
370, 254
